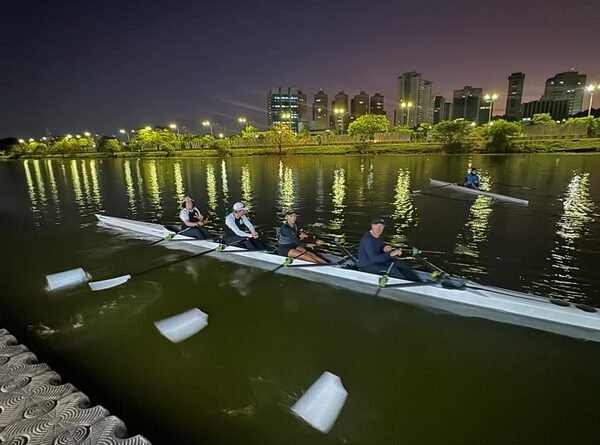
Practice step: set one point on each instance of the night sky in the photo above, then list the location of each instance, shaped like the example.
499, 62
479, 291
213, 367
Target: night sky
71, 66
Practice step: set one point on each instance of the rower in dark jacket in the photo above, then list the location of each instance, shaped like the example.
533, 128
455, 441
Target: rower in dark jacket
376, 257
291, 241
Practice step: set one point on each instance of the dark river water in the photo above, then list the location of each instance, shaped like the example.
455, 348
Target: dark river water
413, 376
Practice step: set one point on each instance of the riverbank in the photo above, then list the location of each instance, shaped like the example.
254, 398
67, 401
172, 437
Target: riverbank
553, 145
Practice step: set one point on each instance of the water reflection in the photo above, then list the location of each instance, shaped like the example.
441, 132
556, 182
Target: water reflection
578, 213
246, 186
96, 194
178, 176
53, 187
76, 181
211, 188
41, 189
286, 187
338, 194
475, 232
153, 188
224, 184
130, 190
404, 209
31, 191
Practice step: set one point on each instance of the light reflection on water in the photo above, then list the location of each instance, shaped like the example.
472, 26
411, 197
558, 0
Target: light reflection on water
578, 213
246, 182
404, 209
474, 235
287, 198
338, 194
211, 188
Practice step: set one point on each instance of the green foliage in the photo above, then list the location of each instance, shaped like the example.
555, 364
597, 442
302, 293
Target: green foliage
498, 134
280, 135
593, 124
543, 119
249, 132
223, 146
367, 125
452, 134
109, 145
402, 129
421, 132
155, 139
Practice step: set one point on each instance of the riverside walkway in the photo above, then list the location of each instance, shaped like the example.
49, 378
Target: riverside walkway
36, 408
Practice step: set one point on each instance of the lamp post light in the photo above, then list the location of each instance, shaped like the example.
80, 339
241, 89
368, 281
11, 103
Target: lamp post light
339, 119
490, 99
208, 124
123, 131
590, 89
174, 127
242, 120
407, 105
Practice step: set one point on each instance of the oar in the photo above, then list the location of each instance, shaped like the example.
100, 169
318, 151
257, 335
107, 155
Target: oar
524, 187
113, 282
288, 261
170, 236
383, 279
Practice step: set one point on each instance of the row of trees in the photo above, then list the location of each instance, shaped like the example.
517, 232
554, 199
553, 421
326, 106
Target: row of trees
455, 136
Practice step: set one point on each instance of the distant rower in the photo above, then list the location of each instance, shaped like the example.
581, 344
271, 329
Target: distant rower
472, 179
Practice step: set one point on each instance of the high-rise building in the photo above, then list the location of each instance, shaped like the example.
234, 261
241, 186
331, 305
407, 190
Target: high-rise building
439, 109
283, 107
514, 96
447, 111
415, 100
320, 111
340, 111
567, 86
359, 105
466, 103
376, 105
558, 109
302, 106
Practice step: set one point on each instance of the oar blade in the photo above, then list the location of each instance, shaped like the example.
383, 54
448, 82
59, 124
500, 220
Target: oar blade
107, 284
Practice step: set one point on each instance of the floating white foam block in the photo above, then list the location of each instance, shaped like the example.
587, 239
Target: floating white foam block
65, 279
182, 326
322, 403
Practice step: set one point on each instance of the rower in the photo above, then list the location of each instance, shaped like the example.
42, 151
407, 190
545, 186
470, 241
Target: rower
192, 221
239, 229
291, 241
472, 179
376, 257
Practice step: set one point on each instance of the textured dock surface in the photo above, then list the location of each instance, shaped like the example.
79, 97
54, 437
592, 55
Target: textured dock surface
37, 408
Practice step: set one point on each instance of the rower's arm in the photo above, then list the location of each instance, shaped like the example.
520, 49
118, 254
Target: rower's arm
230, 222
248, 224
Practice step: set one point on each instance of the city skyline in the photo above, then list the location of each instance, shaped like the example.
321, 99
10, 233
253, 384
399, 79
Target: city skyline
101, 69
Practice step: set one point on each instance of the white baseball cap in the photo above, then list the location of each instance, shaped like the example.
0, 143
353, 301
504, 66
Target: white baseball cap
239, 206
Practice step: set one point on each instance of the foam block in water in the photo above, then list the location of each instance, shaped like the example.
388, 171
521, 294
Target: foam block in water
322, 403
182, 326
66, 279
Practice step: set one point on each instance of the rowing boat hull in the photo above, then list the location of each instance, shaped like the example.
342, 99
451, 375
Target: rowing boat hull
451, 186
485, 302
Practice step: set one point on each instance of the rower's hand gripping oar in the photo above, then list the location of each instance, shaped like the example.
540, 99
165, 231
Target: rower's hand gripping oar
113, 282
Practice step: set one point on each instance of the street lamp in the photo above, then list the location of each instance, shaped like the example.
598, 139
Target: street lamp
221, 135
174, 127
490, 99
590, 89
407, 105
123, 131
208, 124
242, 120
339, 120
